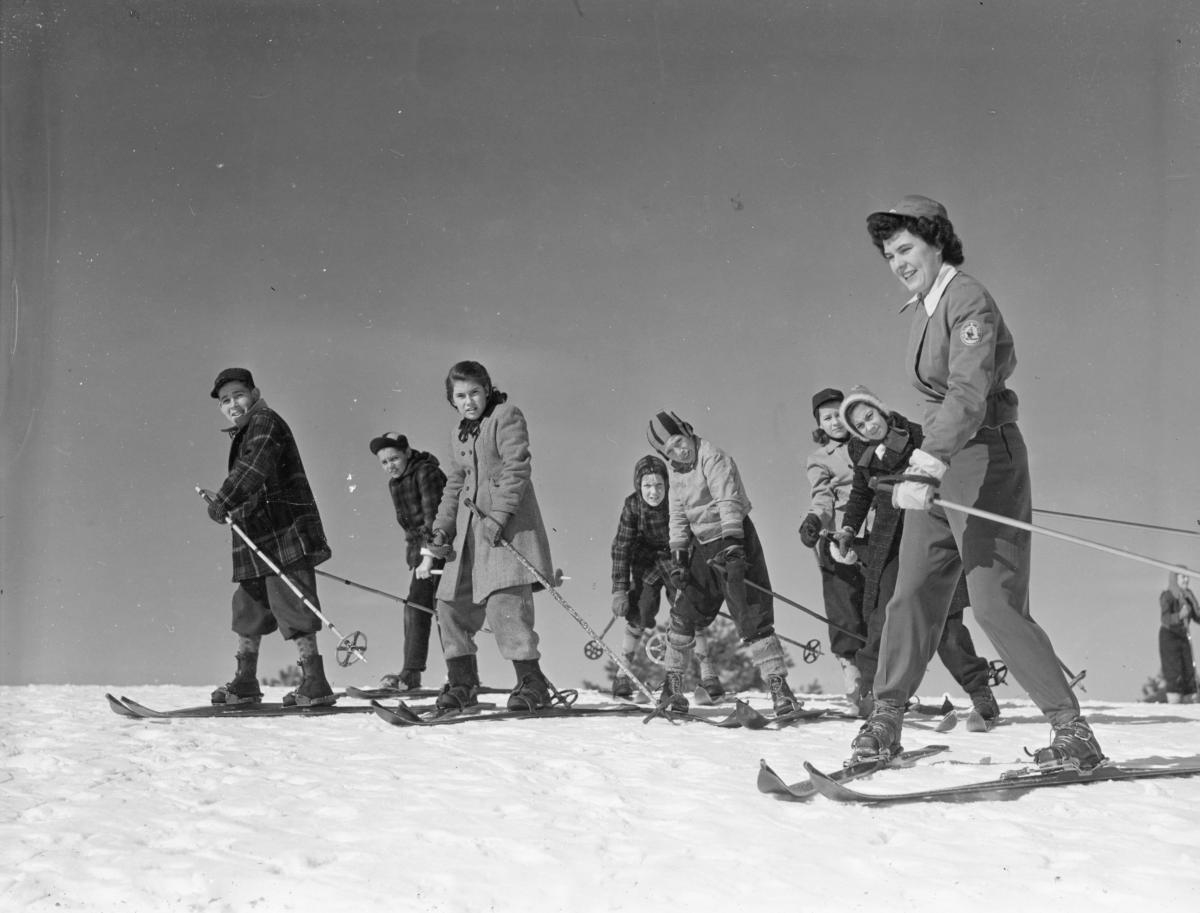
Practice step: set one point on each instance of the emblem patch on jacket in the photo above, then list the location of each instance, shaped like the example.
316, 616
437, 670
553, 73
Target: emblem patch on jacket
970, 333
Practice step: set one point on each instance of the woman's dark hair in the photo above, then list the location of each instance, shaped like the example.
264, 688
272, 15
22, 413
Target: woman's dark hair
935, 231
820, 437
472, 371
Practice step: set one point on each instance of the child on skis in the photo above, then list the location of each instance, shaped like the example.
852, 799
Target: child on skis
267, 494
830, 474
415, 483
882, 443
715, 552
640, 569
481, 579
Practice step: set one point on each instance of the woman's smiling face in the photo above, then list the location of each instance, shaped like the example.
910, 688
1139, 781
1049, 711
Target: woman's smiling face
914, 261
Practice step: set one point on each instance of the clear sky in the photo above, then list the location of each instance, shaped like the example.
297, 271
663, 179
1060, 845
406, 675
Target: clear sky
617, 207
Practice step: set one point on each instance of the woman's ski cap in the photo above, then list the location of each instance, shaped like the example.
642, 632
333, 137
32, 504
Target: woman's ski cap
917, 207
663, 427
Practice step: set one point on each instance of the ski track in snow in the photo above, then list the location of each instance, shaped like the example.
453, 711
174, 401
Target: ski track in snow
349, 813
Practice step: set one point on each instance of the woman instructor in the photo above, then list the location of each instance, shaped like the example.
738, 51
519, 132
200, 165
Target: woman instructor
960, 354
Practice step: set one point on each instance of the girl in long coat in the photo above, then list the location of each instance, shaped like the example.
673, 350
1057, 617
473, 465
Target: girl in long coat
482, 580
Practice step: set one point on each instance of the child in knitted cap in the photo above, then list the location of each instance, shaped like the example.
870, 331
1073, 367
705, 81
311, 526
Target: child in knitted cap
881, 445
715, 553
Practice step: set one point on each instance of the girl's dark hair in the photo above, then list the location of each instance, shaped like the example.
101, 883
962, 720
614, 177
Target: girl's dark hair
821, 437
936, 231
473, 371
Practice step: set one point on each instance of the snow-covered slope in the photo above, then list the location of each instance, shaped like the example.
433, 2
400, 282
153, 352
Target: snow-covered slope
347, 813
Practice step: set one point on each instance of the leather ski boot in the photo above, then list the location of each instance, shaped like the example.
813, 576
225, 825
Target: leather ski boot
879, 737
672, 697
462, 684
313, 690
1074, 747
781, 696
243, 689
710, 691
532, 692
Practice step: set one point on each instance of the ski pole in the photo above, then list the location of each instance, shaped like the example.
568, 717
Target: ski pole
811, 649
794, 605
349, 649
592, 649
541, 578
1066, 537
371, 589
1073, 679
399, 599
1162, 529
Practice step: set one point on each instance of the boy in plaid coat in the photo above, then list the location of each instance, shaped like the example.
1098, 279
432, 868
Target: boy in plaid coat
415, 483
267, 494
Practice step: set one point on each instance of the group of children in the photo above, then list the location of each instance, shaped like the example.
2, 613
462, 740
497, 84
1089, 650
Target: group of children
862, 443
453, 522
468, 525
894, 596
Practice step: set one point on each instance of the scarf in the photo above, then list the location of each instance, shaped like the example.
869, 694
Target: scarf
469, 427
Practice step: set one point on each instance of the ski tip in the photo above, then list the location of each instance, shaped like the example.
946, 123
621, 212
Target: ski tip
946, 723
743, 716
117, 707
976, 722
768, 781
387, 714
827, 786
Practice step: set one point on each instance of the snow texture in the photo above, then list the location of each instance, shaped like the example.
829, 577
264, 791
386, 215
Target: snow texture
347, 813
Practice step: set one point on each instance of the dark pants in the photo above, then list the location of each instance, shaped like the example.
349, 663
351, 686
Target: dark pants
939, 545
842, 589
1175, 651
955, 649
753, 611
262, 605
645, 598
418, 622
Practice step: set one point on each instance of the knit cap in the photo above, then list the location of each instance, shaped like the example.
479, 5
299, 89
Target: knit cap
857, 396
663, 427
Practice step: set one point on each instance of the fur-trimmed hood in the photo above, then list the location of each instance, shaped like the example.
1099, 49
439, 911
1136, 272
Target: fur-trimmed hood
857, 396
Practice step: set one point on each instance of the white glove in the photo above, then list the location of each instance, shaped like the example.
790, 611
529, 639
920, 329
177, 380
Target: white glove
849, 556
839, 546
918, 495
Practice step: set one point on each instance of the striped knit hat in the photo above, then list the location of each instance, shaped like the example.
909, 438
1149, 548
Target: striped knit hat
856, 397
663, 427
